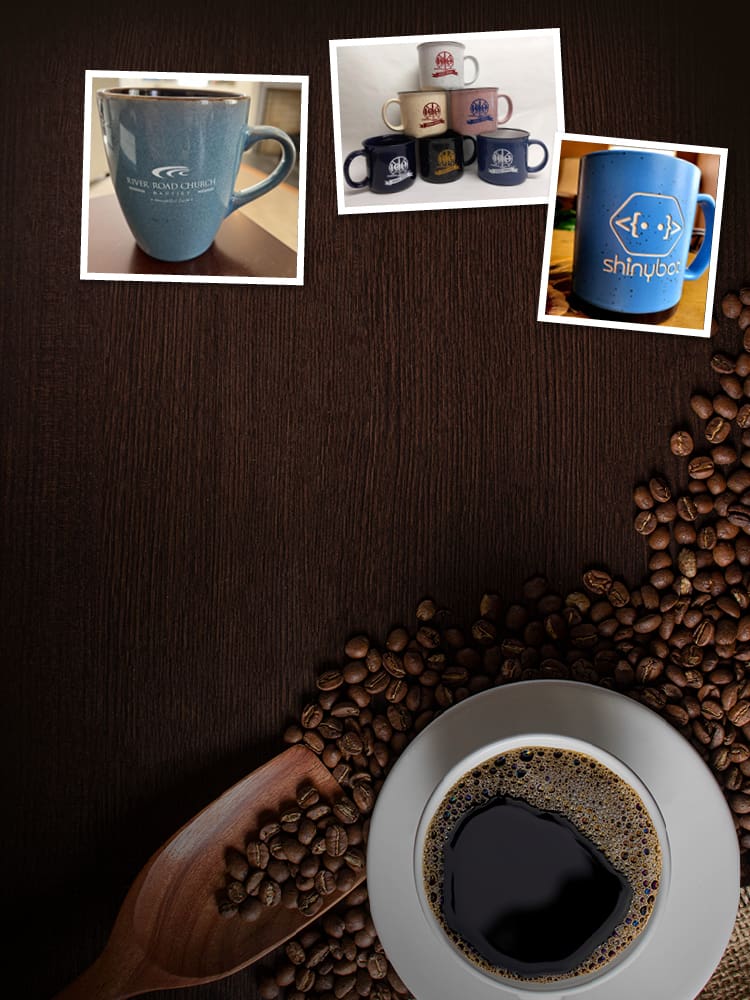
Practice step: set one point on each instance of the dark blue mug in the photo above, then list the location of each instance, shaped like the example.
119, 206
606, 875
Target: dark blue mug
174, 156
503, 156
391, 163
635, 213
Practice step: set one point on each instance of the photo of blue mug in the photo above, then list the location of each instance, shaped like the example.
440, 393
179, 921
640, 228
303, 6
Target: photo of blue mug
635, 215
503, 156
391, 164
174, 156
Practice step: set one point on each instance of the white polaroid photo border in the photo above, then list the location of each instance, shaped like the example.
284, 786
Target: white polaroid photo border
189, 80
365, 72
719, 155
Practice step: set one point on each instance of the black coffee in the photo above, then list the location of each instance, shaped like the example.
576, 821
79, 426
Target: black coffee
542, 864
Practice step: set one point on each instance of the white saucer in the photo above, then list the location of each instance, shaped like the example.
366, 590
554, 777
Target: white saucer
671, 961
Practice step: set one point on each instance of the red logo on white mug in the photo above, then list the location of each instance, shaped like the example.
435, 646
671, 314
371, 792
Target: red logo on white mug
444, 65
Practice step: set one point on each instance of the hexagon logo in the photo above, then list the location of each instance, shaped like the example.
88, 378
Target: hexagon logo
648, 225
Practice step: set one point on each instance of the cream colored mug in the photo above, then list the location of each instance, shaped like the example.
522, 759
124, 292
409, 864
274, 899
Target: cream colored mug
423, 112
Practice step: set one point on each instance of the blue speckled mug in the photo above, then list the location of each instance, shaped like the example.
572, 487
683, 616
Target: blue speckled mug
174, 156
636, 211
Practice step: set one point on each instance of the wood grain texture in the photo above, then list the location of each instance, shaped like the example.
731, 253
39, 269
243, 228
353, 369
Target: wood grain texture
207, 489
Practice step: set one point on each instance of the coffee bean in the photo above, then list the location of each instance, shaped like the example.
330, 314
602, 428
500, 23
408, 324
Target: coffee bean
426, 610
681, 442
701, 467
346, 811
722, 363
269, 893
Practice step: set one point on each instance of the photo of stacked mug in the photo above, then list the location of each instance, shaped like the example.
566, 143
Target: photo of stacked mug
446, 125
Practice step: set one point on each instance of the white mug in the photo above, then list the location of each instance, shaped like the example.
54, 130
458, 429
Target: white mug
441, 64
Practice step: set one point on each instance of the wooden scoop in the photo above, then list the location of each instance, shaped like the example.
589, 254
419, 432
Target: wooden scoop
169, 932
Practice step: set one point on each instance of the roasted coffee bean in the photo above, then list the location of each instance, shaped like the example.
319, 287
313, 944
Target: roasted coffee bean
722, 363
426, 610
336, 840
311, 715
681, 443
310, 902
236, 864
269, 893
314, 741
329, 680
346, 811
257, 851
701, 467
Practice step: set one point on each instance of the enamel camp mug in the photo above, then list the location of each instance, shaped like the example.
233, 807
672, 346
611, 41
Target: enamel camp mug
442, 64
503, 156
391, 164
474, 110
423, 112
174, 156
634, 220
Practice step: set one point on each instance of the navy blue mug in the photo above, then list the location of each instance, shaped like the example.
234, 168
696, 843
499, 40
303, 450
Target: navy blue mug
442, 158
503, 156
635, 213
174, 156
391, 163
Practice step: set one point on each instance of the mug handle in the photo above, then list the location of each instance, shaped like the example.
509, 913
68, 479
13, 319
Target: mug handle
502, 121
700, 263
473, 141
347, 162
289, 155
539, 166
468, 83
393, 128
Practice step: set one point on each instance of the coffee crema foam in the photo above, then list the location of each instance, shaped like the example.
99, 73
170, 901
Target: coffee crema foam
600, 805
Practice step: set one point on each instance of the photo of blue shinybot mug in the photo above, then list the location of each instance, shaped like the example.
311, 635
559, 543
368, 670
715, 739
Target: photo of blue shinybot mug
635, 215
174, 156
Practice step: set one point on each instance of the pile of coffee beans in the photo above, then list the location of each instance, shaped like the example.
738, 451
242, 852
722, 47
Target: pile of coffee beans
298, 858
679, 643
340, 957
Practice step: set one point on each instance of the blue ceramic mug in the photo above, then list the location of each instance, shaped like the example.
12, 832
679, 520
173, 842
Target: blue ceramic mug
174, 156
503, 156
391, 163
635, 214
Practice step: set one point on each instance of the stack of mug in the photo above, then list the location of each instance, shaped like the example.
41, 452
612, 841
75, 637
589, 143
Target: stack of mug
437, 121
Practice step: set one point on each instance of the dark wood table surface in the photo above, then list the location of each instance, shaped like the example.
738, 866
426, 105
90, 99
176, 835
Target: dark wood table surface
207, 488
241, 249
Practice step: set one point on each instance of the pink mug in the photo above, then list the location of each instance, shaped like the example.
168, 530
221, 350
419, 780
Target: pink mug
474, 110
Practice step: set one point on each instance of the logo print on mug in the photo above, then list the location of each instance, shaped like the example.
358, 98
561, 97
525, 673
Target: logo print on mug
398, 170
444, 63
502, 162
446, 160
431, 115
479, 108
649, 226
170, 171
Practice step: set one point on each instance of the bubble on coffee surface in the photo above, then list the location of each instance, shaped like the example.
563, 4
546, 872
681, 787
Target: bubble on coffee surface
579, 794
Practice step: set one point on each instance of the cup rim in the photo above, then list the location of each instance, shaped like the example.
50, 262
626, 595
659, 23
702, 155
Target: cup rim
194, 95
476, 90
503, 133
447, 41
382, 141
434, 90
535, 989
654, 154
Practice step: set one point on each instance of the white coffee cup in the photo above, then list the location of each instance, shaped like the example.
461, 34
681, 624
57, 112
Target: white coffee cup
557, 989
441, 64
